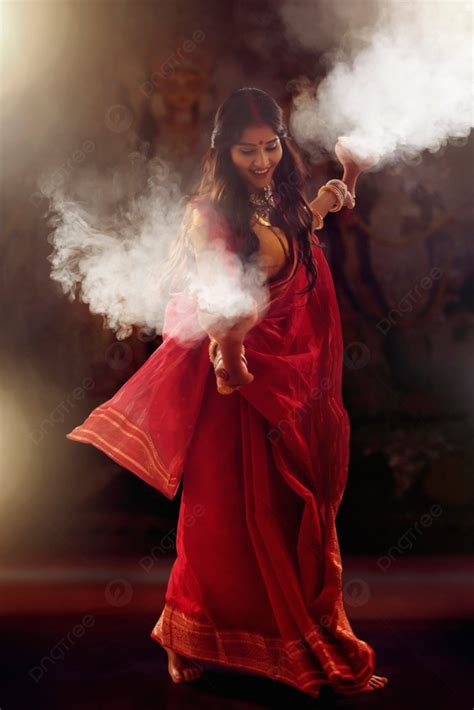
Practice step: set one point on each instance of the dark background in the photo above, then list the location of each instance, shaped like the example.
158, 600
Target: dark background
84, 542
83, 93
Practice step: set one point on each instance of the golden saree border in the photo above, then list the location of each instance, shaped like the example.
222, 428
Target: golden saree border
114, 434
292, 662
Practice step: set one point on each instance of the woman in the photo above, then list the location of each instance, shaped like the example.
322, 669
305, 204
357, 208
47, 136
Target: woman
256, 584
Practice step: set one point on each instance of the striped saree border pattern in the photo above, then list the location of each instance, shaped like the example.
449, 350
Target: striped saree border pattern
116, 429
294, 663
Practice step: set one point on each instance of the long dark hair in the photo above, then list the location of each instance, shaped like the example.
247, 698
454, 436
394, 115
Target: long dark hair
224, 187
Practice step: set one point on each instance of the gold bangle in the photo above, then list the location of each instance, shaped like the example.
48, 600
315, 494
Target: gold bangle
340, 185
340, 199
213, 345
337, 194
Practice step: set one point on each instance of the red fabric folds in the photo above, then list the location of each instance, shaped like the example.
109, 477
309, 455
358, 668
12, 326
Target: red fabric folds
257, 582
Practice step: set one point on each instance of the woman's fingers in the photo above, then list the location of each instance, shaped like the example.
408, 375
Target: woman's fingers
350, 201
349, 159
220, 327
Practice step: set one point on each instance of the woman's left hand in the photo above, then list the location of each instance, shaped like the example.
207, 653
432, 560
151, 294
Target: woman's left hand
351, 162
353, 166
349, 202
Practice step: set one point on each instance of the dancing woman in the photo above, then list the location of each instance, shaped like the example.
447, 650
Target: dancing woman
249, 416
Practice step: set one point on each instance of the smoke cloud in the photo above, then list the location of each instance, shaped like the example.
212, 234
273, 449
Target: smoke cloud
398, 81
111, 237
399, 77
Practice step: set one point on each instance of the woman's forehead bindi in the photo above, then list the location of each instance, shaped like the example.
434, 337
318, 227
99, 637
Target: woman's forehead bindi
272, 140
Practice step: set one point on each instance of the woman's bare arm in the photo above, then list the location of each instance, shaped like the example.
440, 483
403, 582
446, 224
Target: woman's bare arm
353, 167
230, 330
326, 200
323, 203
229, 335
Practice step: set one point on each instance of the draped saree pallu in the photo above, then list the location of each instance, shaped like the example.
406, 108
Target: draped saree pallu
257, 581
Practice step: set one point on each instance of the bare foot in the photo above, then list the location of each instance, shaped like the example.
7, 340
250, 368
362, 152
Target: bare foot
375, 683
182, 669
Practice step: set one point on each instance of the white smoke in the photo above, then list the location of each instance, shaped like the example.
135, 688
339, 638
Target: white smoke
111, 238
399, 81
225, 286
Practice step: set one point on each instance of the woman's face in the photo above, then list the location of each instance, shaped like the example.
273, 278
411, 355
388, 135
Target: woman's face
256, 155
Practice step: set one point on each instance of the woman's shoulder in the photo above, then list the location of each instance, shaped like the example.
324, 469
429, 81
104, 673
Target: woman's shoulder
205, 222
205, 213
202, 204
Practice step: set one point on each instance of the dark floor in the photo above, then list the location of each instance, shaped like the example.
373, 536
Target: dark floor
115, 664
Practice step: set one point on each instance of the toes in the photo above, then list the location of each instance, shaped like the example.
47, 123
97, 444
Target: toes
184, 673
191, 674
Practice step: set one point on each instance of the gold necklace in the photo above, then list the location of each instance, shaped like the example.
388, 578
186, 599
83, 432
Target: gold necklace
263, 203
262, 220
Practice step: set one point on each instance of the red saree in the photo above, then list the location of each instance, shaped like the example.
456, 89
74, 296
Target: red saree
256, 584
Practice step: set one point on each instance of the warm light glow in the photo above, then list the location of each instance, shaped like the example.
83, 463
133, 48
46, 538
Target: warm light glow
33, 35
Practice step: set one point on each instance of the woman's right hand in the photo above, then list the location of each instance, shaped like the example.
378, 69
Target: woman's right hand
227, 328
